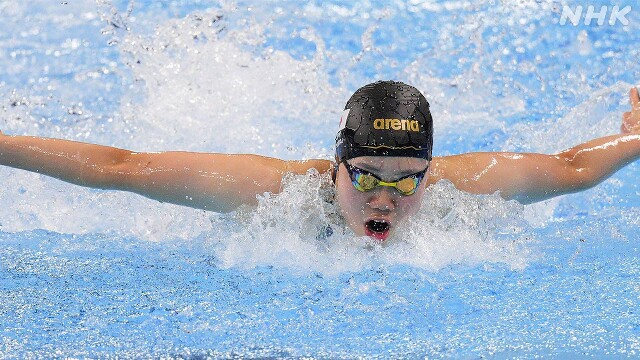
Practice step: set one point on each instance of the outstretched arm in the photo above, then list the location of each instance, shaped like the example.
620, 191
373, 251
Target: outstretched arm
216, 182
534, 177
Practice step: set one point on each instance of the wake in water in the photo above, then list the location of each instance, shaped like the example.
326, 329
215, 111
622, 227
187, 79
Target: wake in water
301, 228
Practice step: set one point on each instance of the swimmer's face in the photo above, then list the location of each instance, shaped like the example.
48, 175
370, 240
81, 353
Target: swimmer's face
378, 212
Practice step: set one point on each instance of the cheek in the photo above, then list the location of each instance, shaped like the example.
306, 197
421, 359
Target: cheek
411, 204
344, 196
351, 207
349, 199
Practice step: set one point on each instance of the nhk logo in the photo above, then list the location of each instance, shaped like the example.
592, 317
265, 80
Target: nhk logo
396, 124
575, 15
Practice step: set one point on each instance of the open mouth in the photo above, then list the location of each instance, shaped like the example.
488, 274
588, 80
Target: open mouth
378, 229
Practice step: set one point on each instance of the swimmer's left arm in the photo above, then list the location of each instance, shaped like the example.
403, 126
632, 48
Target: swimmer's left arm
534, 177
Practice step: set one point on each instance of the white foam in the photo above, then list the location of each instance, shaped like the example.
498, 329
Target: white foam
451, 228
599, 115
206, 90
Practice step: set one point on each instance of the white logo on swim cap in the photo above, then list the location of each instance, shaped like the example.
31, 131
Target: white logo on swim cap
343, 119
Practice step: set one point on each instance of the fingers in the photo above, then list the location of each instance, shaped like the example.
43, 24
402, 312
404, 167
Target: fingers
634, 99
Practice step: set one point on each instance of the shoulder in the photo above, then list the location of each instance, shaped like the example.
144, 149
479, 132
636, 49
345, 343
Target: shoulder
449, 167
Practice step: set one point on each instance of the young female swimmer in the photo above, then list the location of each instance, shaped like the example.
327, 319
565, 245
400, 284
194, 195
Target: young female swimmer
383, 164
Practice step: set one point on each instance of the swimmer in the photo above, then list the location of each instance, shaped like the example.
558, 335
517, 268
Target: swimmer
383, 164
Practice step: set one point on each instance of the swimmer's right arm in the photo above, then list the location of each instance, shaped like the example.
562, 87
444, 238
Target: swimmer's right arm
215, 182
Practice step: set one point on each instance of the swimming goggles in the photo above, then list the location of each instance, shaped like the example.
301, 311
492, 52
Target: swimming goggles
363, 180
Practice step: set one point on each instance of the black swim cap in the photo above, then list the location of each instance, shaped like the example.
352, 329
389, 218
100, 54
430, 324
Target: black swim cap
385, 118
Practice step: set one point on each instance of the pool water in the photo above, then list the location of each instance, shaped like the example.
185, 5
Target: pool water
91, 273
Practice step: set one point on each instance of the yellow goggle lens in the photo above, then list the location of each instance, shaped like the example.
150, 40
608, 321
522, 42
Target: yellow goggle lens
364, 181
406, 185
367, 182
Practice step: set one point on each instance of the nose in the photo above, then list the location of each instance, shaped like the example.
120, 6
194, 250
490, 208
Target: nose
383, 199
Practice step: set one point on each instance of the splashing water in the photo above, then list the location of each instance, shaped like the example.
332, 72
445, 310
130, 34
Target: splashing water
301, 229
103, 274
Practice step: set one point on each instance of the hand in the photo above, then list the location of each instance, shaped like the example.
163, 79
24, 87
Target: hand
631, 119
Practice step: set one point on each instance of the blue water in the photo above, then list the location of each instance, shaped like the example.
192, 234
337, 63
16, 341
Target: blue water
89, 273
